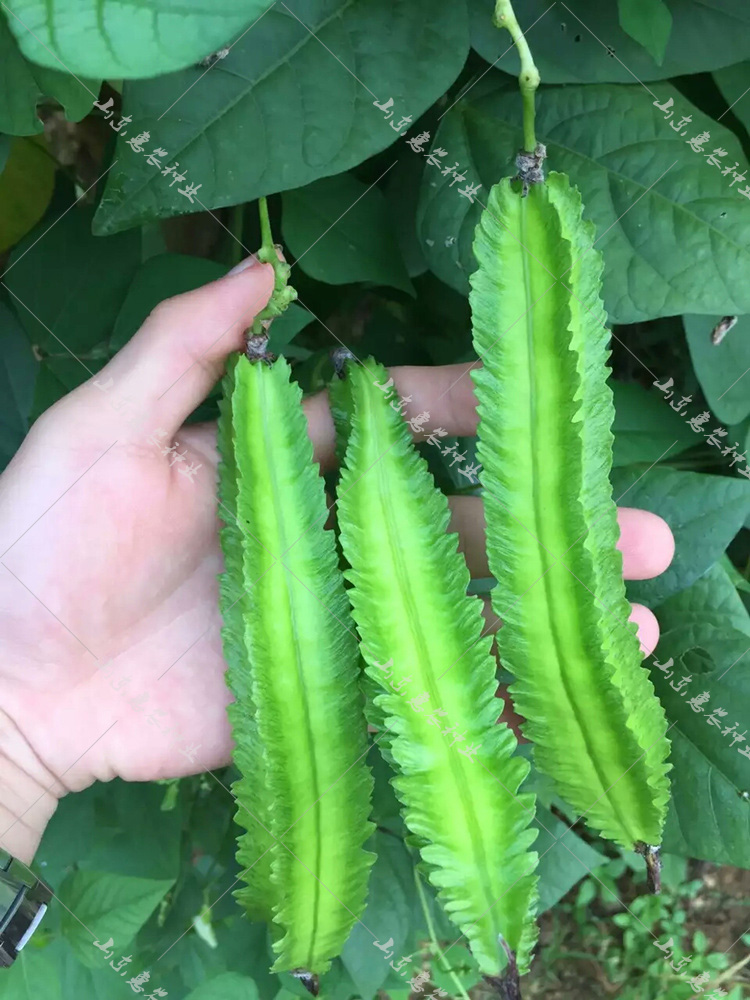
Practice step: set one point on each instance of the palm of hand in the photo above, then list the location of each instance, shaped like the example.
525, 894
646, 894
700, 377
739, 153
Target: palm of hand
115, 602
109, 589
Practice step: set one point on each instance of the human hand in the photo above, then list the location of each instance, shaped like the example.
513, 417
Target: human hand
108, 585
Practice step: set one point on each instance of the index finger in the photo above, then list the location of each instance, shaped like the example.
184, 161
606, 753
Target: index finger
445, 393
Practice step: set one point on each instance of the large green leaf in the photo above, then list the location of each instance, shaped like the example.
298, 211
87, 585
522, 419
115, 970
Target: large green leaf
722, 369
649, 22
339, 231
122, 40
26, 185
469, 818
281, 110
18, 371
560, 869
733, 82
671, 229
227, 986
388, 914
706, 632
545, 444
24, 83
645, 427
704, 513
107, 905
705, 34
33, 976
68, 286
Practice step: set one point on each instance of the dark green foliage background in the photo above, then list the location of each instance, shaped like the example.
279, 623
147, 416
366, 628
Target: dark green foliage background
384, 249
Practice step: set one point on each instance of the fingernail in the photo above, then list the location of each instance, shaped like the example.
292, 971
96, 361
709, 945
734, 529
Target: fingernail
243, 265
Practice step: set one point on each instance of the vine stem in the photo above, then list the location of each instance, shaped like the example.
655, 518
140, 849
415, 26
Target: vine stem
433, 940
265, 229
528, 78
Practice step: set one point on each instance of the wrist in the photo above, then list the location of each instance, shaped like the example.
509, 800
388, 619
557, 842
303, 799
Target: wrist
29, 793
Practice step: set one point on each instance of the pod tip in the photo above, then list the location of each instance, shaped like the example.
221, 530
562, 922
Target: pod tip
339, 358
308, 979
506, 986
652, 854
256, 348
530, 167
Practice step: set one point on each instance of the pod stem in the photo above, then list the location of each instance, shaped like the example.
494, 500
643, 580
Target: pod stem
528, 78
283, 293
433, 939
653, 866
309, 980
507, 985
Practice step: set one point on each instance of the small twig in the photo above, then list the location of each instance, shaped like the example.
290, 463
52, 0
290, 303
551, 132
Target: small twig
507, 985
528, 78
433, 939
653, 866
283, 293
728, 974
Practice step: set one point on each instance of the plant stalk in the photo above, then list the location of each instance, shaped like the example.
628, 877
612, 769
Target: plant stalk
431, 931
265, 230
283, 293
528, 78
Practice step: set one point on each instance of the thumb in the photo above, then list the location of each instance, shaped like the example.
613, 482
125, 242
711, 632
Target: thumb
173, 361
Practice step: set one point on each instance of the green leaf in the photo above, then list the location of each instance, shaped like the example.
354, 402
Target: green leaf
18, 371
649, 22
646, 427
708, 616
402, 194
68, 288
285, 328
560, 869
68, 836
281, 110
228, 986
26, 186
388, 915
107, 905
393, 534
733, 82
33, 976
570, 42
704, 513
708, 770
545, 413
672, 230
722, 369
121, 40
339, 232
25, 84
293, 668
133, 837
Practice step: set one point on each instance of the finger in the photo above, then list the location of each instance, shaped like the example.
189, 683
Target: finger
646, 542
445, 392
172, 362
645, 620
648, 628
